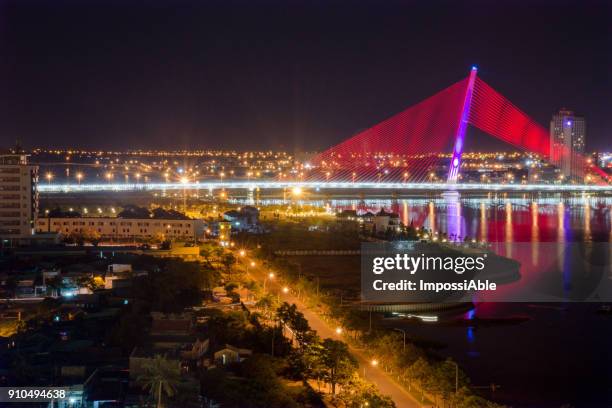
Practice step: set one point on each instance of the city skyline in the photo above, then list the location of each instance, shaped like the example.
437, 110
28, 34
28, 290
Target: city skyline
305, 203
198, 82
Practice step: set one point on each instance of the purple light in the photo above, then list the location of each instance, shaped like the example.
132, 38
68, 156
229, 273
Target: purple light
453, 172
569, 123
459, 146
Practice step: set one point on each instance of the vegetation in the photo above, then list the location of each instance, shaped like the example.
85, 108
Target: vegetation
424, 373
160, 378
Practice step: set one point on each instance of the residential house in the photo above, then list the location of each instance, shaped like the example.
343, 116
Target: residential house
231, 354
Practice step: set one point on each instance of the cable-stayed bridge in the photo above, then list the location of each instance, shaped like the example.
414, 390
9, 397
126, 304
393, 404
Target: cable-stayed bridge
400, 152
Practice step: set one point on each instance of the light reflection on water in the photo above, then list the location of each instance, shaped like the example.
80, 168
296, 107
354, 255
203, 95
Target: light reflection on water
492, 219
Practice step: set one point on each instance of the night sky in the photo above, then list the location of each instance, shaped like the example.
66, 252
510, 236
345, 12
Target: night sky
284, 75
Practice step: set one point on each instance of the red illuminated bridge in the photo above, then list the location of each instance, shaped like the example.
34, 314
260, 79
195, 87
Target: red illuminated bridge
401, 152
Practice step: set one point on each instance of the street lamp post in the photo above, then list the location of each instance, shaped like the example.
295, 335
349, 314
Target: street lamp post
270, 276
404, 333
184, 181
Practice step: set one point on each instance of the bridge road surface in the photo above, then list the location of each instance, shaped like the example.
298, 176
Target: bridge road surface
375, 375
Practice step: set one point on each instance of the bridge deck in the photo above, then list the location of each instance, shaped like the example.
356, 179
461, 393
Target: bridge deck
331, 185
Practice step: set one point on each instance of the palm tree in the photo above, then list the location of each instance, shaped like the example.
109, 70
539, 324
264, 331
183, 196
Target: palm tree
159, 376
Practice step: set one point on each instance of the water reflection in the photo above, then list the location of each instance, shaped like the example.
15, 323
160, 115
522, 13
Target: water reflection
494, 218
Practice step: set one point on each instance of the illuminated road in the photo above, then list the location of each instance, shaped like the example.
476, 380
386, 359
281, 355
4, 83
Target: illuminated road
319, 185
375, 375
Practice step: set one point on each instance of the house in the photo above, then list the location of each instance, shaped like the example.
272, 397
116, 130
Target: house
230, 354
171, 332
171, 323
197, 351
244, 219
367, 217
117, 275
384, 221
106, 387
119, 268
85, 301
24, 288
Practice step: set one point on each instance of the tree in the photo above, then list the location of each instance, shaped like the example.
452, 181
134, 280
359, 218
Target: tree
91, 235
175, 286
228, 260
312, 361
338, 362
266, 302
357, 393
160, 377
206, 252
56, 284
75, 237
295, 320
420, 371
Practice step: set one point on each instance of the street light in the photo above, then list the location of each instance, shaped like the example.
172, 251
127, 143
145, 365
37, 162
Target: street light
338, 330
79, 177
49, 177
373, 363
270, 276
296, 191
184, 181
242, 252
404, 332
285, 290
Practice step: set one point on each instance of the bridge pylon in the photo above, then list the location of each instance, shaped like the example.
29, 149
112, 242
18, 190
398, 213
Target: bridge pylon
455, 163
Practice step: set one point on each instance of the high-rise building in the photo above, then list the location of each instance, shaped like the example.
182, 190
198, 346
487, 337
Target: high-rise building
567, 139
18, 197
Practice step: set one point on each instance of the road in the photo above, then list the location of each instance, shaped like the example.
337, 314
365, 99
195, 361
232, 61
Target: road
373, 374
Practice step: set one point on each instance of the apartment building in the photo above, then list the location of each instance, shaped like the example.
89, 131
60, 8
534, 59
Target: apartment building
123, 228
18, 198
